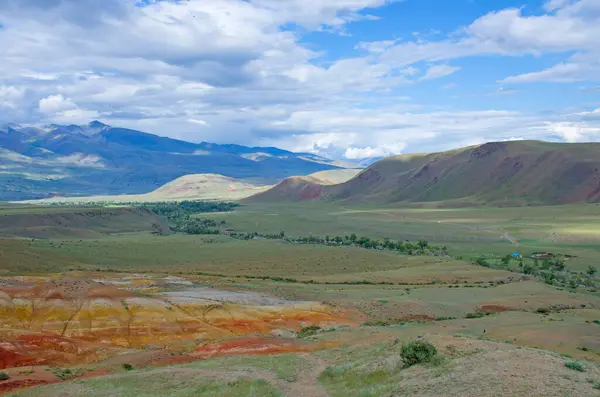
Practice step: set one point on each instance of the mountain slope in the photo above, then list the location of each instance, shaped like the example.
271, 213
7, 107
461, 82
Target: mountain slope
499, 172
302, 188
95, 159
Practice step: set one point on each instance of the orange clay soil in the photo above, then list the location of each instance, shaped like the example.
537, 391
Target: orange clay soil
62, 322
258, 345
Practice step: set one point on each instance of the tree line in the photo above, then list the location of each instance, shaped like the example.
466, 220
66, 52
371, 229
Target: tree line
421, 247
551, 271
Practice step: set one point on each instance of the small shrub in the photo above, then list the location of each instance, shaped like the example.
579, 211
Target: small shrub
575, 366
543, 310
128, 367
67, 373
418, 352
474, 315
583, 348
4, 376
596, 322
596, 385
309, 331
378, 323
445, 318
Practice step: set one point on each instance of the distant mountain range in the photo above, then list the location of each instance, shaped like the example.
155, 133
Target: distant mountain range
501, 173
94, 159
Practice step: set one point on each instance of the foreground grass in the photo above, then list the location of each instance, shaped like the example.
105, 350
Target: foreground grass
285, 367
214, 254
156, 385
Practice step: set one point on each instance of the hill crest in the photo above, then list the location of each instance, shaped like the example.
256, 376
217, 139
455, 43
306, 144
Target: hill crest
504, 173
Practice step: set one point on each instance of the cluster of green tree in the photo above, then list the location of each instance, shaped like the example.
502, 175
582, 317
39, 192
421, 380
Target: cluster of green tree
551, 271
421, 247
176, 210
196, 226
180, 215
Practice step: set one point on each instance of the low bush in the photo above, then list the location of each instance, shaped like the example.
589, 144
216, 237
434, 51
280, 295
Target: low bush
575, 366
378, 323
418, 352
67, 373
128, 367
474, 315
596, 385
4, 376
309, 331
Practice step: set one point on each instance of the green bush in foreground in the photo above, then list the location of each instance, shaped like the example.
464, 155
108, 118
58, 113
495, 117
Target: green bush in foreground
575, 366
309, 331
596, 385
4, 376
418, 352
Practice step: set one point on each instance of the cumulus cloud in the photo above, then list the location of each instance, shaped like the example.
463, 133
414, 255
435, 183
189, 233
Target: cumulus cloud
59, 109
369, 152
239, 71
10, 96
574, 131
55, 104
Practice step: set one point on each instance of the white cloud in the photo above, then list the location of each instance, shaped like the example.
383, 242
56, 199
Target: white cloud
40, 76
574, 131
574, 26
59, 109
369, 152
437, 71
199, 122
240, 72
552, 5
580, 67
74, 116
10, 96
56, 103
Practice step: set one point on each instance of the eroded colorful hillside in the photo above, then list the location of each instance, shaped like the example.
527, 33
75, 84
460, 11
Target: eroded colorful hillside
66, 321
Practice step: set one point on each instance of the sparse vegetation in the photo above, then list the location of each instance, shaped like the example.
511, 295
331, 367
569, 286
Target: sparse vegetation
475, 315
67, 373
128, 367
4, 376
309, 331
418, 352
370, 278
445, 318
575, 366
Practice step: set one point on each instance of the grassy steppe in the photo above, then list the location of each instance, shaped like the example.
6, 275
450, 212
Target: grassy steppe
488, 324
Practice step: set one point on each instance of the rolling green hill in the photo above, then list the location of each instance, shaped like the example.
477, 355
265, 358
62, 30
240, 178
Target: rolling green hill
501, 173
46, 222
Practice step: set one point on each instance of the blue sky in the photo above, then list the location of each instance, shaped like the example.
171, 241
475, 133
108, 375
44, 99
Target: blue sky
341, 78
